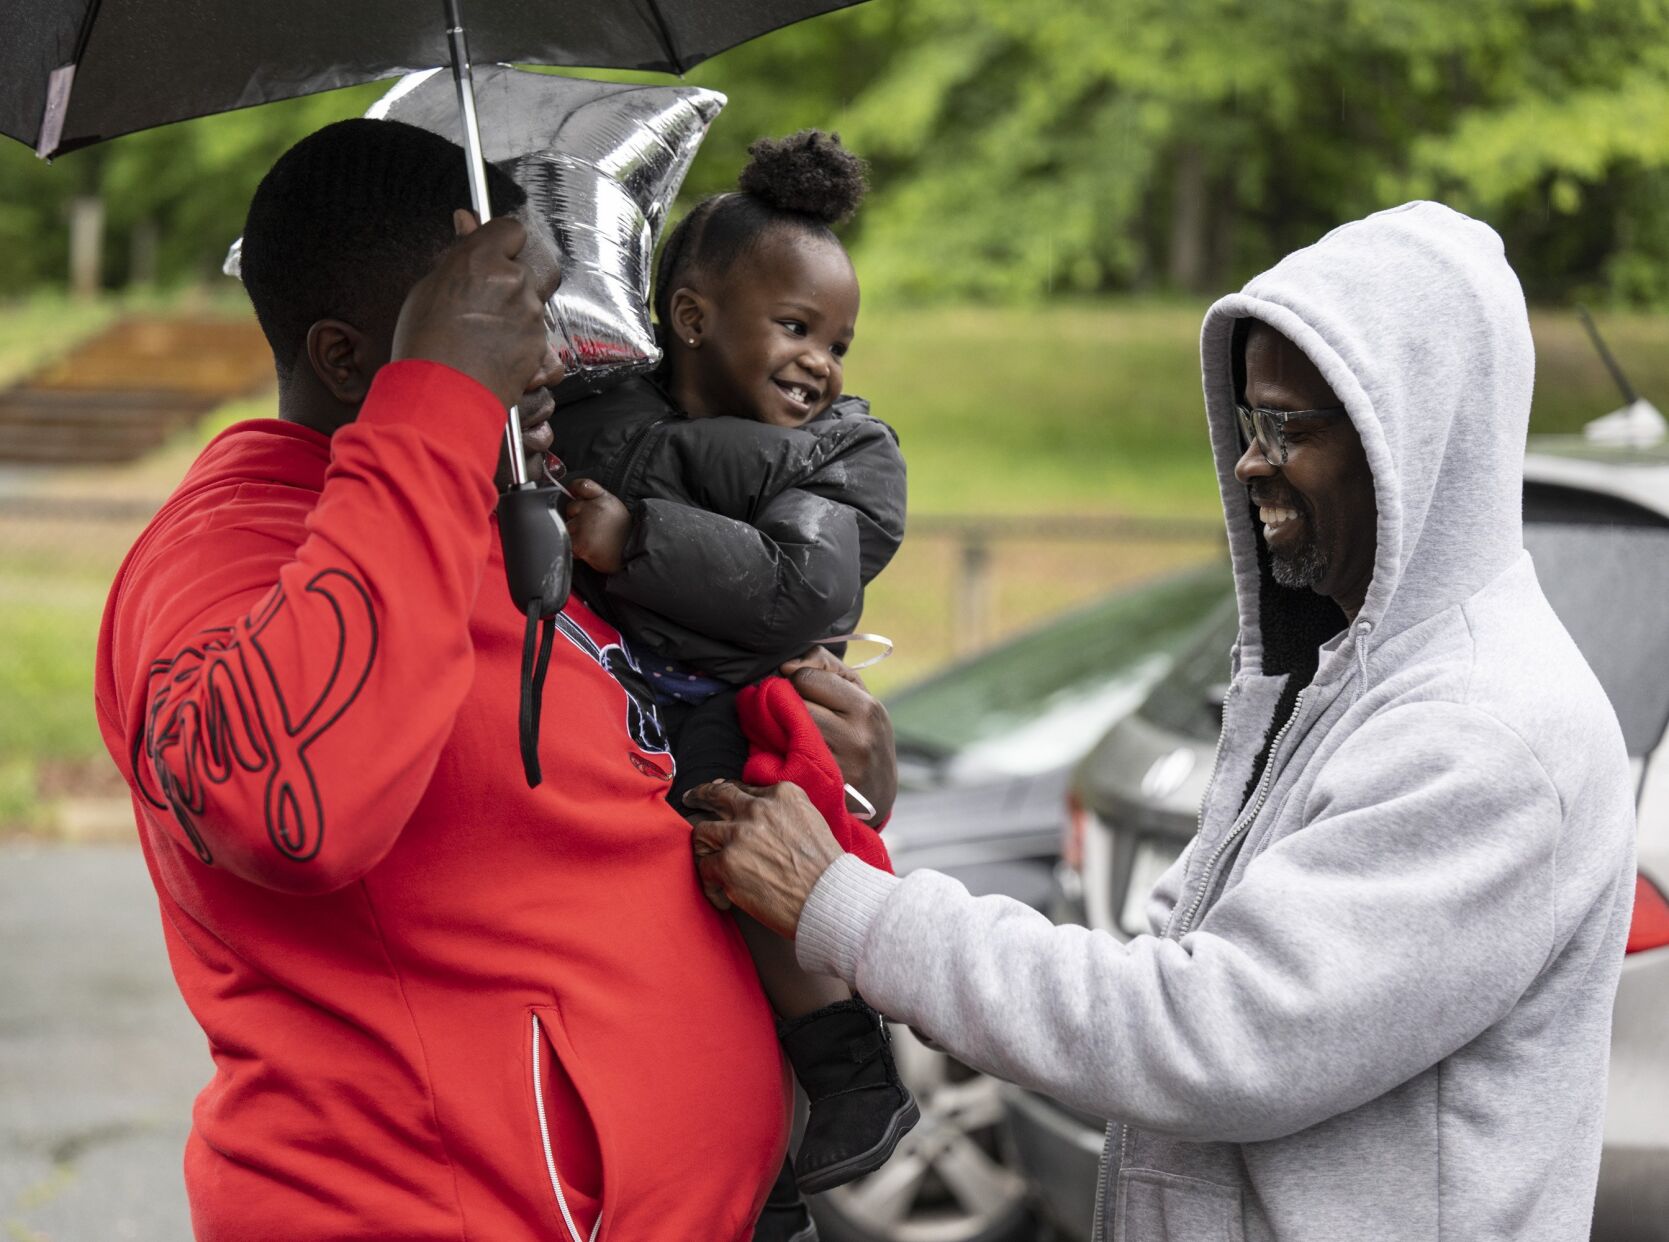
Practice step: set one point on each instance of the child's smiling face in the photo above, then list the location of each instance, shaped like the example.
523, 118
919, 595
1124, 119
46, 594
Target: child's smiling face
772, 336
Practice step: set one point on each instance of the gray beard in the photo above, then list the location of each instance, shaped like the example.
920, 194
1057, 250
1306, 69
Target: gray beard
1301, 570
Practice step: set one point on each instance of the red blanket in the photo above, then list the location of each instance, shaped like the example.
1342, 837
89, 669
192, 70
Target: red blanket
786, 746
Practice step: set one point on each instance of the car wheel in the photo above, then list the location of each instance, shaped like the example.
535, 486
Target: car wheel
947, 1181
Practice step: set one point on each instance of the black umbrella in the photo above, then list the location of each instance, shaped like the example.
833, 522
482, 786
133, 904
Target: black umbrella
76, 72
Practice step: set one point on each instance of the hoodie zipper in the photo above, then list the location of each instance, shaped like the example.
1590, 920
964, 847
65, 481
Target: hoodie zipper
1101, 1177
1210, 784
550, 1156
1240, 825
1264, 784
1206, 880
1123, 1130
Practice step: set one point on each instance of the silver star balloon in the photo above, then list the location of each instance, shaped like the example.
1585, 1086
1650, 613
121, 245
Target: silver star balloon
601, 163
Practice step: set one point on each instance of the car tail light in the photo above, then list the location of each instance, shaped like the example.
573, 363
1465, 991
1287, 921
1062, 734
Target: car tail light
1649, 928
1072, 832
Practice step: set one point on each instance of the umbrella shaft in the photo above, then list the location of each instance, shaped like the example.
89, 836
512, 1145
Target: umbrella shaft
476, 163
477, 170
458, 41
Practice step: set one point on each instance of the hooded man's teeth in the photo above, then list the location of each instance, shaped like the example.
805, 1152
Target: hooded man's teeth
1275, 517
799, 394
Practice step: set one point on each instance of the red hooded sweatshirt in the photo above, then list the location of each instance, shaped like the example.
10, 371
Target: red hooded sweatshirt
440, 1004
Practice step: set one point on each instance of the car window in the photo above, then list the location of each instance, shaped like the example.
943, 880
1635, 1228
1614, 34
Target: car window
1051, 669
1610, 586
1188, 701
1603, 564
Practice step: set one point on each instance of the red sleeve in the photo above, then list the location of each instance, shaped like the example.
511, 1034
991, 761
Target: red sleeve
286, 689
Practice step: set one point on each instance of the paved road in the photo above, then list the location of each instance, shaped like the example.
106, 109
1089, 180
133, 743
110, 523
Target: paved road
99, 1059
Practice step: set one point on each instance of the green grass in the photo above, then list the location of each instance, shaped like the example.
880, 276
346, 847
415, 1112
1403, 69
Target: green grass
48, 634
1065, 409
1052, 409
46, 663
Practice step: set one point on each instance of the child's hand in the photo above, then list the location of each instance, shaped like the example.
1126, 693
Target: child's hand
599, 526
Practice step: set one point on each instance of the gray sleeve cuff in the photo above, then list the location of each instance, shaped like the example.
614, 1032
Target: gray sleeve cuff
838, 915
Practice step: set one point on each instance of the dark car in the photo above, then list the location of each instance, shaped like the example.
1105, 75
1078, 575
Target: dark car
1597, 528
985, 748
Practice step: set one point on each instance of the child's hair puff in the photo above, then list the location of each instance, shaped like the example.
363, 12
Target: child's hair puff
808, 173
806, 181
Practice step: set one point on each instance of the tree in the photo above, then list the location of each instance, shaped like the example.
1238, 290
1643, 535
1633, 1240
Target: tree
1035, 148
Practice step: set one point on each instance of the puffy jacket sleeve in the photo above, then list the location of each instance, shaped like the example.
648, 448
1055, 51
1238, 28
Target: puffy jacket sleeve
280, 693
771, 550
1407, 916
758, 585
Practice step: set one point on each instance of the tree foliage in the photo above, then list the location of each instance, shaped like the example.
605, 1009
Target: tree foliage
1033, 148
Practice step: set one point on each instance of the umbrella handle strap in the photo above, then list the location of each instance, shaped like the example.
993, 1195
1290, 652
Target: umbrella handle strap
538, 567
534, 668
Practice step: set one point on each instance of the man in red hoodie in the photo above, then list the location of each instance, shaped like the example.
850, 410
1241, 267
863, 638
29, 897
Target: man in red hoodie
440, 1004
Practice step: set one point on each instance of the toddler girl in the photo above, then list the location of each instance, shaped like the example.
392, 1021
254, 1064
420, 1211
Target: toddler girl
727, 513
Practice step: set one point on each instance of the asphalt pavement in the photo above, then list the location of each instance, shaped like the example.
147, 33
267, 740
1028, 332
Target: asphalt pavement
99, 1059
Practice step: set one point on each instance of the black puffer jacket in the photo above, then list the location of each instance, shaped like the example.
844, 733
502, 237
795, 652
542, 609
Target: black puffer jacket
749, 542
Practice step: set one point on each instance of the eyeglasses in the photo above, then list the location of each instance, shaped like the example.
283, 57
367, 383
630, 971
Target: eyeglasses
1267, 428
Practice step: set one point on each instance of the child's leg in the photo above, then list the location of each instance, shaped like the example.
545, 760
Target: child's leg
793, 992
709, 745
836, 1043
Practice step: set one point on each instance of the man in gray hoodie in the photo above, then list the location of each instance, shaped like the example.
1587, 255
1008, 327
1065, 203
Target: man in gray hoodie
1376, 1000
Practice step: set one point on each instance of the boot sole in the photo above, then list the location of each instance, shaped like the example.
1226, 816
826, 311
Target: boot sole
816, 1181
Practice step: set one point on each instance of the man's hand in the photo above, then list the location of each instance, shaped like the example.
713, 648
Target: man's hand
763, 851
481, 311
598, 524
853, 723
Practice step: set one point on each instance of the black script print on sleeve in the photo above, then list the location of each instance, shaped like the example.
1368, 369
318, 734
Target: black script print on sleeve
218, 711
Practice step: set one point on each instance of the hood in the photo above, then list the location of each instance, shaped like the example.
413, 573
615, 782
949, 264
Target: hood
1419, 325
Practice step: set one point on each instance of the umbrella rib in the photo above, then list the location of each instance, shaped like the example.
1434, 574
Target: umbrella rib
666, 37
49, 136
86, 32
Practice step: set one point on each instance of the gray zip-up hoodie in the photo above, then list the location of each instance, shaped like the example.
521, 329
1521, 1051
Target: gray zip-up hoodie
1376, 1002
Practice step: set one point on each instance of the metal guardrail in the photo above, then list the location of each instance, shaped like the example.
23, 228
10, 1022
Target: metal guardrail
973, 604
1091, 528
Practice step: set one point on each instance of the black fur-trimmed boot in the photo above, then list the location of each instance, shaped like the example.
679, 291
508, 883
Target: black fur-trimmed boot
859, 1108
785, 1217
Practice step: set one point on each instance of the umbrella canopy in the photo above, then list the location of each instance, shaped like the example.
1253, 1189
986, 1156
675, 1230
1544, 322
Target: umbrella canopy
75, 72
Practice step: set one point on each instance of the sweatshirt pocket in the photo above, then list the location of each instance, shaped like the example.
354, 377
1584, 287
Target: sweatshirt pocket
1164, 1207
570, 1141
